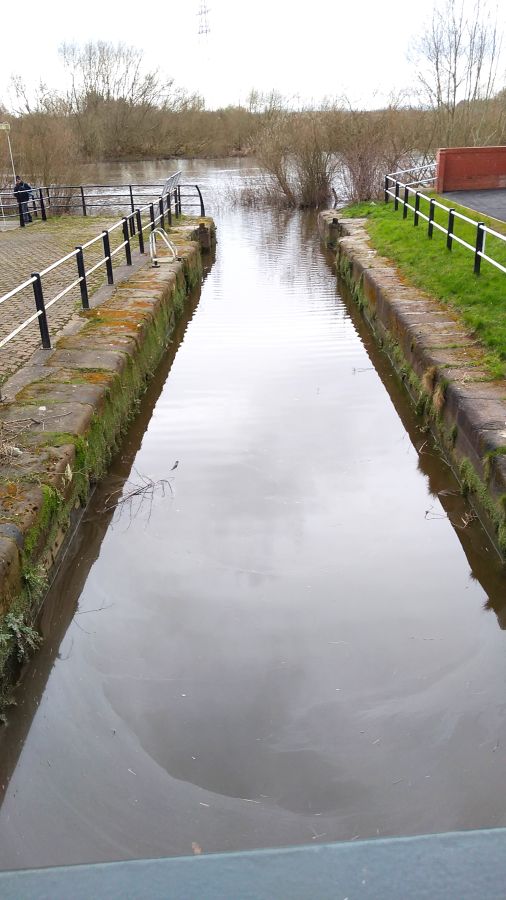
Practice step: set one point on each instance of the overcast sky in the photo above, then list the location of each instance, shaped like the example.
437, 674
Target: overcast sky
309, 51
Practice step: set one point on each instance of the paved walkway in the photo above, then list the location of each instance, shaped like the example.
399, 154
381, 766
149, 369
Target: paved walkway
31, 249
491, 202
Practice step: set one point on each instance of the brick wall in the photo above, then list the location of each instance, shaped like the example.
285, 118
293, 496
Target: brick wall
471, 168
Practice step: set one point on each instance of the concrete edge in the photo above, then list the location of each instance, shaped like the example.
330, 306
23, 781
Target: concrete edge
449, 866
440, 363
66, 411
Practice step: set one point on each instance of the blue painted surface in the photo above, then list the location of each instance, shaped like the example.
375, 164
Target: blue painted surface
456, 866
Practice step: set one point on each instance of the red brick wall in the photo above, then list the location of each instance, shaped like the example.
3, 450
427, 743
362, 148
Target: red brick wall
471, 168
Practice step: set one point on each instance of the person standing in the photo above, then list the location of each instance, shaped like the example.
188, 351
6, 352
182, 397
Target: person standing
23, 193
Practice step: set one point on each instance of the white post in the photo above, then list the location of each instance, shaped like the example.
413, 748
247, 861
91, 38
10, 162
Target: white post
4, 126
12, 160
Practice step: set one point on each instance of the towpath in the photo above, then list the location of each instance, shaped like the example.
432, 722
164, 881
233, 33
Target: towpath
31, 249
490, 202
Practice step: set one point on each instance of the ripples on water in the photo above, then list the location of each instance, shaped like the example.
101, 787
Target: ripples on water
288, 645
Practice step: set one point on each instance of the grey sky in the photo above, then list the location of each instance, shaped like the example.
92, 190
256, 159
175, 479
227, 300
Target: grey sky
326, 49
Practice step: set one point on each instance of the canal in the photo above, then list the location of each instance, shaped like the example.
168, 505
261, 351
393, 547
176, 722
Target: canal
278, 622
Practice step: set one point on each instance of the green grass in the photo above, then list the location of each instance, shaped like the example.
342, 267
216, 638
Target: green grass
479, 300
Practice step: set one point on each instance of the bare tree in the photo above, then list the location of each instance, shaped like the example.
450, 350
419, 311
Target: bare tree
46, 148
370, 144
457, 58
294, 149
42, 99
114, 101
269, 103
110, 72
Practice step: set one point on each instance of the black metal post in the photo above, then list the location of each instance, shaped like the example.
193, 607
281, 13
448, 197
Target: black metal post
107, 255
132, 207
81, 271
169, 208
41, 308
202, 209
131, 223
152, 216
162, 217
449, 232
480, 237
405, 203
140, 234
396, 200
42, 206
417, 207
430, 228
176, 213
83, 201
179, 207
126, 238
386, 189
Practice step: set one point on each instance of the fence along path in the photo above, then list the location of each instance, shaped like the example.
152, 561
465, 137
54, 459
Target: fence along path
23, 251
445, 219
58, 282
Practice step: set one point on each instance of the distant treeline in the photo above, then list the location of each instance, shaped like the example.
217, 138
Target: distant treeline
113, 110
50, 143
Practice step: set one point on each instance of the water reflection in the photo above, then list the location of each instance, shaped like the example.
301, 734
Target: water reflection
485, 566
60, 611
287, 648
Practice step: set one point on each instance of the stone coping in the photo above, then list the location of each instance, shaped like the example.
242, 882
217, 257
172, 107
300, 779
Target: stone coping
65, 412
469, 865
440, 362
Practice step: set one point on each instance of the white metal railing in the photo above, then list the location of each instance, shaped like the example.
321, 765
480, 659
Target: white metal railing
89, 199
135, 224
410, 189
155, 260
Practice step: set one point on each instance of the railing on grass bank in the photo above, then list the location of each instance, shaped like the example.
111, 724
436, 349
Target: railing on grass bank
398, 187
133, 226
93, 199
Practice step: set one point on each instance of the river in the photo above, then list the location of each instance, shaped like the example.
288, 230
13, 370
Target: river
293, 636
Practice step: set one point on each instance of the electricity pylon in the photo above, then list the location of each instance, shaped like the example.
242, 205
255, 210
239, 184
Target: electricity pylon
204, 28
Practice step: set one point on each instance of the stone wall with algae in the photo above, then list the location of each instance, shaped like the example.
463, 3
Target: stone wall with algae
60, 429
440, 364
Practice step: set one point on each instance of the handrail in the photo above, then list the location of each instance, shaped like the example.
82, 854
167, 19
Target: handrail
393, 188
167, 203
95, 197
155, 261
427, 165
16, 290
58, 263
77, 187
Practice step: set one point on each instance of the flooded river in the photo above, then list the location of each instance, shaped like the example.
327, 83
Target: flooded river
284, 639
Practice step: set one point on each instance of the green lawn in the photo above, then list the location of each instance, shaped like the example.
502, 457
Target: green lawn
480, 300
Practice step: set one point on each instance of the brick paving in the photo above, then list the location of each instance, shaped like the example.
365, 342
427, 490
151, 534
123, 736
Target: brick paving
31, 249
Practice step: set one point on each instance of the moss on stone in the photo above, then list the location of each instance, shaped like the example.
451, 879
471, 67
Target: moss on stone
93, 449
429, 395
488, 460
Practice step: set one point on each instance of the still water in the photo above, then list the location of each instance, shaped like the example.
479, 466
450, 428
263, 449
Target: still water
286, 640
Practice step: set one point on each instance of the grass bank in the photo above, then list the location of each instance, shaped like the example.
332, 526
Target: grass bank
479, 300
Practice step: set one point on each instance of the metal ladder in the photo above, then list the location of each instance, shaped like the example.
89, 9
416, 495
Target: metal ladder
155, 260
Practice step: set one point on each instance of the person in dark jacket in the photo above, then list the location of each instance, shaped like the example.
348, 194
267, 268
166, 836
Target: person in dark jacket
23, 193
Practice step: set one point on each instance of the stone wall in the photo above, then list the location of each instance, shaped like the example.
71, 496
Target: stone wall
65, 420
440, 364
470, 168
